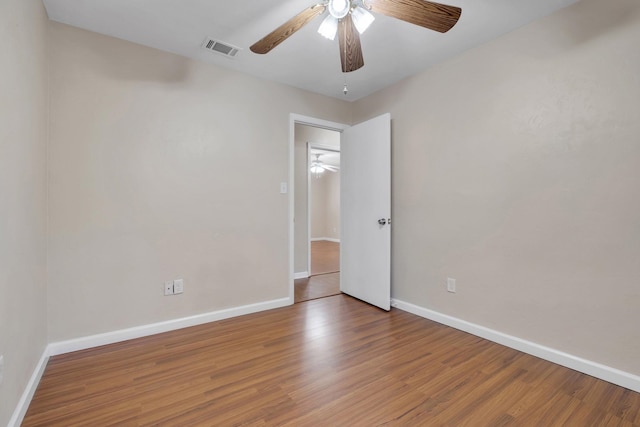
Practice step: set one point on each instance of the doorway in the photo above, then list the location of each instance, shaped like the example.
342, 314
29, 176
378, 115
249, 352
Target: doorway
316, 174
324, 204
365, 211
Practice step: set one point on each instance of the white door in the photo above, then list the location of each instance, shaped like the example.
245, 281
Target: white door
365, 210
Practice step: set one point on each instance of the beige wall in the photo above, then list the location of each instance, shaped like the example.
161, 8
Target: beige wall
303, 135
163, 168
23, 133
301, 201
332, 225
325, 206
516, 171
318, 206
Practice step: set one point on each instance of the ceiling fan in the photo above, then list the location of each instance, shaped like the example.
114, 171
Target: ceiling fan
317, 166
350, 18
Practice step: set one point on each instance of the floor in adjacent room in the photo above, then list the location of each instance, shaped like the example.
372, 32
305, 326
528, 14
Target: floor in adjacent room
325, 273
334, 361
325, 257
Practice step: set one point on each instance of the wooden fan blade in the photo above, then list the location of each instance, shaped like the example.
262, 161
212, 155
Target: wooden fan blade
284, 31
434, 16
350, 48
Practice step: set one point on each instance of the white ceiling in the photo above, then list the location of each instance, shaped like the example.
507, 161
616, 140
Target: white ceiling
392, 49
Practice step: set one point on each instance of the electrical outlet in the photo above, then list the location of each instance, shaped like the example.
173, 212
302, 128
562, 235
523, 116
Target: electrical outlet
451, 285
168, 287
1, 368
178, 286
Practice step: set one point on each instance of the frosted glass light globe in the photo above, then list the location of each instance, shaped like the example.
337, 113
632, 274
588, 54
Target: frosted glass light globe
339, 8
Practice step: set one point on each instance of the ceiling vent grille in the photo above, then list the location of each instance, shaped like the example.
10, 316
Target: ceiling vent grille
221, 48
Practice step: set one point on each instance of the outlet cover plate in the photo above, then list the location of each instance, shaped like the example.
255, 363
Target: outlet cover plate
451, 285
168, 287
1, 368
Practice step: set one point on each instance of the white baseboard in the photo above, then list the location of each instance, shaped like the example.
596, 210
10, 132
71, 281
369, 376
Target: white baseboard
328, 239
83, 343
29, 391
606, 373
301, 275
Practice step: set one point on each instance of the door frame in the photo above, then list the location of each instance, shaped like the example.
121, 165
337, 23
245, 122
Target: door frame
307, 121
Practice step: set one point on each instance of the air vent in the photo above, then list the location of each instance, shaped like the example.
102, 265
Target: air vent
221, 48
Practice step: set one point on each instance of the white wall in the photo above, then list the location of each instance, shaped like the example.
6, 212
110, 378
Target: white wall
23, 133
163, 168
516, 171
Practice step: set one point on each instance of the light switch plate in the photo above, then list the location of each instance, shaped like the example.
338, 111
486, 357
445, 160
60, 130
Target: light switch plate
451, 285
178, 286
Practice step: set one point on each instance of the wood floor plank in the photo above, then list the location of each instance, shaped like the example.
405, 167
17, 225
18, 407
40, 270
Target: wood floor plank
325, 257
324, 277
328, 362
314, 287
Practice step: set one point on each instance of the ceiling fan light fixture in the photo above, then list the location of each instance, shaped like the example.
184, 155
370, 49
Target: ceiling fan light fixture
316, 169
329, 27
362, 18
339, 8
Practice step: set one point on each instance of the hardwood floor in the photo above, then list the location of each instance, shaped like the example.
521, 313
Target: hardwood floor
328, 362
325, 270
324, 285
325, 257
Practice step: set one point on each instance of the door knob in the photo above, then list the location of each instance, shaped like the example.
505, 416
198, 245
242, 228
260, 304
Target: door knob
382, 221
